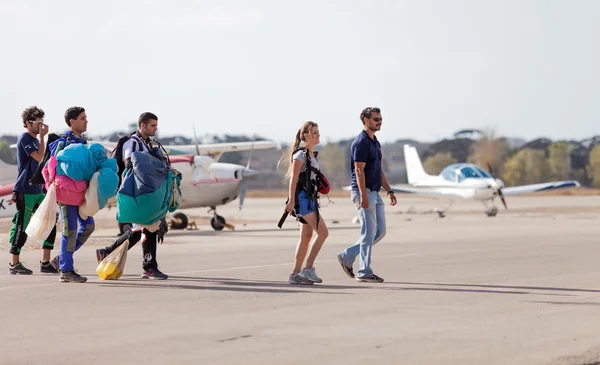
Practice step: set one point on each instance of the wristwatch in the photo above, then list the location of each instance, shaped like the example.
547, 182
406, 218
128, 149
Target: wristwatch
390, 192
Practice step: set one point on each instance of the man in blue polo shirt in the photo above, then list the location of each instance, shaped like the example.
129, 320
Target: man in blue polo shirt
367, 179
28, 198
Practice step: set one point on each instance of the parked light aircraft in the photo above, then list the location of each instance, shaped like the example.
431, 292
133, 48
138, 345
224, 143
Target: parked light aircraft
206, 182
461, 181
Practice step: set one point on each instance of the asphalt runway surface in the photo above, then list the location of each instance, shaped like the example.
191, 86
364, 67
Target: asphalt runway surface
520, 288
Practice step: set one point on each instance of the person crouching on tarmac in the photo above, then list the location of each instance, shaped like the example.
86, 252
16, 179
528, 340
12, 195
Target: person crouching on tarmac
140, 141
302, 202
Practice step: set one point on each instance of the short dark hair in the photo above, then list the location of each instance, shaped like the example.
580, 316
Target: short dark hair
366, 113
72, 113
31, 114
146, 117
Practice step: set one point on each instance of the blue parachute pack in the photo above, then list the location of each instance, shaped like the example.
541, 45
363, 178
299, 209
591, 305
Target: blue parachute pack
150, 189
80, 161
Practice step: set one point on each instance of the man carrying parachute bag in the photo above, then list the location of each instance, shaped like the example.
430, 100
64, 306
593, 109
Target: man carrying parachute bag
75, 163
149, 189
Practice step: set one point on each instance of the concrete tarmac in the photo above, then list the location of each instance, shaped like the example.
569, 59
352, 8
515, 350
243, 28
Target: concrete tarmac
520, 288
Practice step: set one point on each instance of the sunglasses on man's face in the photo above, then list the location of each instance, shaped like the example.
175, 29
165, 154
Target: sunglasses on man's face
36, 121
377, 119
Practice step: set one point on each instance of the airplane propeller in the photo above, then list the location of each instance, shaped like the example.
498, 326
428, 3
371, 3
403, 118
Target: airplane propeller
491, 170
246, 172
196, 141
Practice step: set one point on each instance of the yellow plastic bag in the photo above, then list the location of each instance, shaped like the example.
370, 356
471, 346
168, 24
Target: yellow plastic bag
113, 265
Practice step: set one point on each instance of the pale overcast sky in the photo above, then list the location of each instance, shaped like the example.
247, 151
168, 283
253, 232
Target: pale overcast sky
530, 68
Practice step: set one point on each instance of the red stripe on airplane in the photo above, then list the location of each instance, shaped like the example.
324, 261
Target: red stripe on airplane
182, 158
6, 190
220, 181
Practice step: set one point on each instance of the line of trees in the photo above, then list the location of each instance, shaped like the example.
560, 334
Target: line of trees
525, 165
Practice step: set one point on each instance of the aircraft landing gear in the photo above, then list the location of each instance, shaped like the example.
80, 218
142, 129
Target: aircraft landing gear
179, 221
124, 227
441, 212
490, 211
217, 222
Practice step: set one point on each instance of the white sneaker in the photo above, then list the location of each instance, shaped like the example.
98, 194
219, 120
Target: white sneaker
299, 280
310, 274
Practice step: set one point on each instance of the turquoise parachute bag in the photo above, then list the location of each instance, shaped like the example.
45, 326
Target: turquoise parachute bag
150, 189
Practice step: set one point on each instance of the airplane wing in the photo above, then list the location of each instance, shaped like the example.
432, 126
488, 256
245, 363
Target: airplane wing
433, 192
534, 188
213, 149
218, 148
430, 192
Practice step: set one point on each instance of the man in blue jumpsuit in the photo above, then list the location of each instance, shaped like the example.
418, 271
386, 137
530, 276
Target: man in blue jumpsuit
75, 231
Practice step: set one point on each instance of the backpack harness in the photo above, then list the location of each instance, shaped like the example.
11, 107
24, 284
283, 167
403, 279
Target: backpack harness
138, 146
308, 185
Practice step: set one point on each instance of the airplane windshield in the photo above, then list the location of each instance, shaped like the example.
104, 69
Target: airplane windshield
469, 172
459, 172
484, 173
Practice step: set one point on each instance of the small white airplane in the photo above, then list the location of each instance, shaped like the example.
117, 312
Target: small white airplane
462, 181
206, 182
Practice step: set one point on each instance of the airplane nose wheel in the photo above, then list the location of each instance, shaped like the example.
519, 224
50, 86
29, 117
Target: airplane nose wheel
179, 221
492, 211
217, 222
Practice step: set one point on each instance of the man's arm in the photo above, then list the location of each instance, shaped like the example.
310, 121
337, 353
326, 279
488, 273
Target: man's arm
388, 188
384, 182
127, 151
38, 155
360, 155
359, 170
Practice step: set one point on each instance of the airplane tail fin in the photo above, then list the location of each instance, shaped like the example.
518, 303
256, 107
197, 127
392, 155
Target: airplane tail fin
414, 167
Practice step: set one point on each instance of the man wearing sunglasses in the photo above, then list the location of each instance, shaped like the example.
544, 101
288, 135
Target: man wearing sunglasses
367, 179
30, 152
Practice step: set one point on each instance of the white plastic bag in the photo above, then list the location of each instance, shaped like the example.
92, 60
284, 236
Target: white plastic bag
90, 206
44, 219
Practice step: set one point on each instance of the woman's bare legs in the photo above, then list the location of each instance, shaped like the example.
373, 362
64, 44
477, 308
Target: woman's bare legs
308, 272
302, 247
322, 233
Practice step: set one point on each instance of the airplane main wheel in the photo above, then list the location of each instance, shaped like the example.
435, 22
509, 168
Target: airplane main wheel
217, 222
179, 221
124, 227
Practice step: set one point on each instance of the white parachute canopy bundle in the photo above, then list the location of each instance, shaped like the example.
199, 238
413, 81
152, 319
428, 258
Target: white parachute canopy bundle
44, 219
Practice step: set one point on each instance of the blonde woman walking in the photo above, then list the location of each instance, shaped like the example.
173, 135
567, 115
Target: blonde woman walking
304, 175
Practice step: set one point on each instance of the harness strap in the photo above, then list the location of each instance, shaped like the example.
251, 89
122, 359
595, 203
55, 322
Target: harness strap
305, 183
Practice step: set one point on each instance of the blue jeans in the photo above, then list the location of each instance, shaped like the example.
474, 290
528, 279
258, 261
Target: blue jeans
372, 230
75, 233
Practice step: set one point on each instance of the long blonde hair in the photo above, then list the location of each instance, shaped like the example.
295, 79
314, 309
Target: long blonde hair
300, 137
